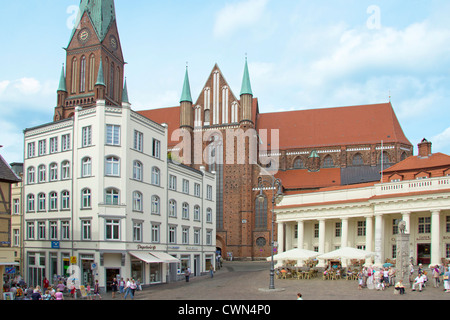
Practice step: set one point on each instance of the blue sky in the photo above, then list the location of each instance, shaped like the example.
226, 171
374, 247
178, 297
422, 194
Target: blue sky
302, 55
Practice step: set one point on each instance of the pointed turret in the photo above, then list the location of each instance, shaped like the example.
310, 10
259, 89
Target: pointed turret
62, 81
186, 112
125, 93
246, 97
100, 86
62, 91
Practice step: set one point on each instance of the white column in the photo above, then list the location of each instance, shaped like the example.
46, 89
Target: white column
369, 237
435, 237
289, 236
379, 233
280, 237
406, 217
300, 234
344, 237
322, 236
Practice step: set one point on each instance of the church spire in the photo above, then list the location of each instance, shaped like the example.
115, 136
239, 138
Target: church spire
100, 77
186, 94
246, 85
125, 93
62, 81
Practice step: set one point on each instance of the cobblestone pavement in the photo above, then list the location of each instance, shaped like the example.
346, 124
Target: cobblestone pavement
250, 281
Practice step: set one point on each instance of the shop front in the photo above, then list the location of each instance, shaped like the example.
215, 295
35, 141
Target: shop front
153, 267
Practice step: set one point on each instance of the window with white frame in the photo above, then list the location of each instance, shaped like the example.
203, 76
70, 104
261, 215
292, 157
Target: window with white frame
41, 230
53, 201
337, 229
137, 170
197, 236
65, 200
172, 234
112, 167
86, 230
30, 203
41, 173
208, 237
156, 208
197, 213
156, 176
112, 196
16, 206
54, 145
65, 170
209, 215
65, 230
112, 135
155, 232
42, 147
185, 235
53, 172
86, 167
86, 136
41, 201
112, 231
156, 149
31, 175
172, 182
31, 149
86, 198
197, 190
186, 186
65, 142
53, 231
137, 231
361, 229
16, 237
30, 230
185, 211
172, 208
137, 201
138, 141
209, 191
424, 224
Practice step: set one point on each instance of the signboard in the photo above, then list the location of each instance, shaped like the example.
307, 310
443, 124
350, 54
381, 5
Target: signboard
55, 244
83, 291
73, 260
11, 270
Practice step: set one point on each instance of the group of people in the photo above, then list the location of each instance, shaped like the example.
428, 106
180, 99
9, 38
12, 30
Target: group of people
24, 292
376, 278
127, 287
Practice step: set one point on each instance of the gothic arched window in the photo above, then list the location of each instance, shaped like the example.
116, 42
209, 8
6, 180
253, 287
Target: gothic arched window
261, 213
328, 162
298, 163
83, 74
358, 160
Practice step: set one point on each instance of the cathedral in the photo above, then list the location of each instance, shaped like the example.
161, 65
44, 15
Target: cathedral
226, 133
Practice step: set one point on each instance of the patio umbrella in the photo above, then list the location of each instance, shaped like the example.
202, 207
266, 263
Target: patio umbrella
295, 254
387, 265
347, 253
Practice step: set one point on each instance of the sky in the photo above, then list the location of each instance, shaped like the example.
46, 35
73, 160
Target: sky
301, 55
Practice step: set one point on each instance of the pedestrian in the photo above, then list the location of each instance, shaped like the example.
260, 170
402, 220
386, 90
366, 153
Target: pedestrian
128, 290
299, 296
121, 286
36, 295
88, 292
446, 278
211, 270
386, 277
435, 275
114, 285
133, 287
59, 295
47, 295
61, 286
360, 279
97, 290
46, 283
187, 273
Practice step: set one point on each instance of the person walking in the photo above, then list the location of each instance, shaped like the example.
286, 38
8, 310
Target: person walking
133, 287
97, 290
128, 290
121, 286
211, 270
435, 274
187, 273
114, 286
447, 280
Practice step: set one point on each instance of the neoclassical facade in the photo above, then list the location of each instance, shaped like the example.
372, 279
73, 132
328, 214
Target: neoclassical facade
365, 216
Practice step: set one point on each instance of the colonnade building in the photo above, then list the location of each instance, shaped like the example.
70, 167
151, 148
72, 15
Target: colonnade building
365, 216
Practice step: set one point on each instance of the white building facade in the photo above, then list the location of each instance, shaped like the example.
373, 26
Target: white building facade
365, 217
101, 200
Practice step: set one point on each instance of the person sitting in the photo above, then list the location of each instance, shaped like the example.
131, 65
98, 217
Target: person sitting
418, 282
400, 287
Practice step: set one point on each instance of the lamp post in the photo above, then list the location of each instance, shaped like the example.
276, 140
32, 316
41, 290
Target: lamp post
276, 199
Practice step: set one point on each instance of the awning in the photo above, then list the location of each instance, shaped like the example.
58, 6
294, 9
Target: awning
146, 257
167, 258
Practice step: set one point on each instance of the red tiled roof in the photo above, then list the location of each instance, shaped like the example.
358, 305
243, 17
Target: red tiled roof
416, 163
304, 179
334, 126
170, 116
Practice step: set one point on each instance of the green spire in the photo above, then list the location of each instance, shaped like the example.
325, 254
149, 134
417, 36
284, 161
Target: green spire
246, 86
102, 14
62, 81
186, 95
100, 77
125, 93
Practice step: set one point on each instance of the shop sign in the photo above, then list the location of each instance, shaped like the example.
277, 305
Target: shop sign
73, 260
140, 247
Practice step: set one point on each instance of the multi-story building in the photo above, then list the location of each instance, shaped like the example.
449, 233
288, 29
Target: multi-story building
102, 199
366, 216
7, 258
17, 215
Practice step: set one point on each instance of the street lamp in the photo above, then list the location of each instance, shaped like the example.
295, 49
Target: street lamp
276, 199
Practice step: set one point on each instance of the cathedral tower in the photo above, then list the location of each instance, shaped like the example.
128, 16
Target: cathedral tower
94, 48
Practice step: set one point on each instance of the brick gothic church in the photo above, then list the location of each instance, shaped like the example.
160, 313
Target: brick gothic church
316, 148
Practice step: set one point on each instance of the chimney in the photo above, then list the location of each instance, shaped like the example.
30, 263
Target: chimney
424, 149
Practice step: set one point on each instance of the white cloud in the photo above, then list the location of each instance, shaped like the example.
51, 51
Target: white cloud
28, 86
238, 15
441, 141
3, 86
11, 138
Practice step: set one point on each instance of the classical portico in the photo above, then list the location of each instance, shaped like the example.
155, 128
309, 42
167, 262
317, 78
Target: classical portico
366, 217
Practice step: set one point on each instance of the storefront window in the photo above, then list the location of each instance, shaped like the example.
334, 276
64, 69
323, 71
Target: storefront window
155, 272
137, 270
